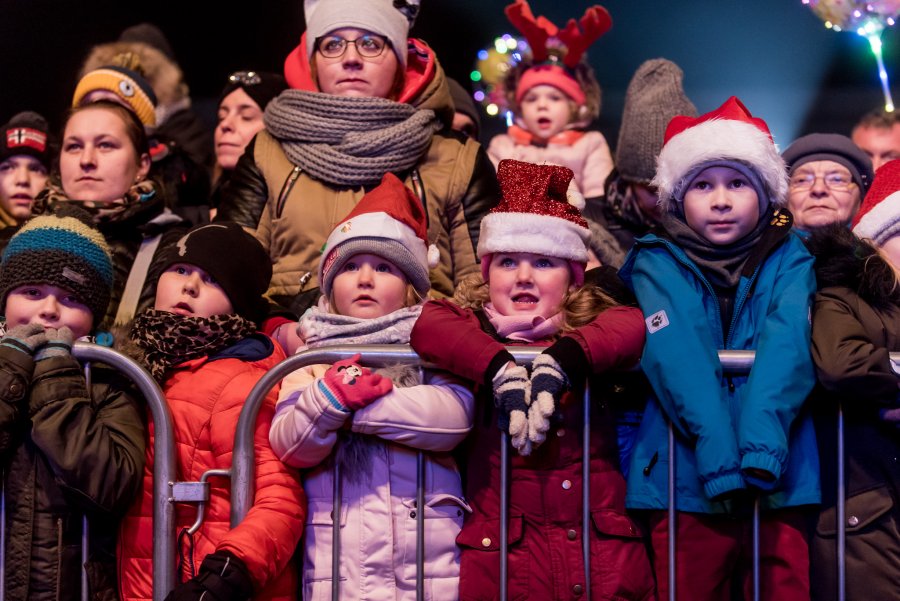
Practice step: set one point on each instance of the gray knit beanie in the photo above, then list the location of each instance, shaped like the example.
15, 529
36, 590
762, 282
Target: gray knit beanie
654, 96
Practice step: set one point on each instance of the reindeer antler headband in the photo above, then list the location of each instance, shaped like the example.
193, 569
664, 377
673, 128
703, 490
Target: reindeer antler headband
538, 31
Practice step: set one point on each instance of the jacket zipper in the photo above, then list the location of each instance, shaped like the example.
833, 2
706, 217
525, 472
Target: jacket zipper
286, 189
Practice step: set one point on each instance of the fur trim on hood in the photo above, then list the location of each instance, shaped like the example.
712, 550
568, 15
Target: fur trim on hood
844, 260
164, 75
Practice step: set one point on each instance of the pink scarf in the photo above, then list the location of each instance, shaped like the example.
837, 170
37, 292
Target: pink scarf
526, 328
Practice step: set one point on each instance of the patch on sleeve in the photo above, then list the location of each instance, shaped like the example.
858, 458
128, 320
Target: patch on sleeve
657, 321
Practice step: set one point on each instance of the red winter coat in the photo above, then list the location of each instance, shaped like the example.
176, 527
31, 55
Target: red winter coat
205, 397
545, 540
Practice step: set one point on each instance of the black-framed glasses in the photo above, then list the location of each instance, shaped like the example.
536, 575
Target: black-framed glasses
840, 182
369, 45
247, 78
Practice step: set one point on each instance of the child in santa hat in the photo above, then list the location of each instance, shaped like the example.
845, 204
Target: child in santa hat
856, 325
726, 273
533, 253
555, 96
371, 423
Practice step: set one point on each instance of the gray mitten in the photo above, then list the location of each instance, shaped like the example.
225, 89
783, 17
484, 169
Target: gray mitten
59, 342
25, 338
511, 396
548, 383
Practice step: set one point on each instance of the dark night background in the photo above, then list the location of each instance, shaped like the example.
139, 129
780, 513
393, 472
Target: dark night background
776, 55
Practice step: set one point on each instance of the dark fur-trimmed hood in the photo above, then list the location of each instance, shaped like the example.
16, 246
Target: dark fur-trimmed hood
844, 260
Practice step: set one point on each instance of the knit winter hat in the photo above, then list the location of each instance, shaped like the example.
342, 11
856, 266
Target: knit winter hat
655, 95
389, 221
729, 133
62, 249
260, 86
150, 34
390, 18
127, 84
878, 218
26, 133
234, 258
831, 147
540, 213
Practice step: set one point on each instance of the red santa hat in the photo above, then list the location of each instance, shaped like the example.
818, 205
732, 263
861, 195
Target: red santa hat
725, 136
389, 222
540, 213
878, 218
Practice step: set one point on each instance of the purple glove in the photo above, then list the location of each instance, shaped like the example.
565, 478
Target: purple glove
350, 387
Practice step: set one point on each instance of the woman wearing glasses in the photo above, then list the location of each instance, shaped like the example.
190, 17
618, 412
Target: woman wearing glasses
365, 100
829, 177
240, 117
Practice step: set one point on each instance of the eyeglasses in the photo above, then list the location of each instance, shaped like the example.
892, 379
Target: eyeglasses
839, 182
368, 46
247, 78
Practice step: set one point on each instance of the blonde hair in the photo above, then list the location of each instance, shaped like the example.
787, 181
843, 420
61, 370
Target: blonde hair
579, 306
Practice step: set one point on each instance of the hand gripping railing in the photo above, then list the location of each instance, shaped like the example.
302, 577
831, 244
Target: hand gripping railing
163, 473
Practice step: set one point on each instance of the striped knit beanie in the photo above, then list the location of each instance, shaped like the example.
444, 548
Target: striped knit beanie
61, 250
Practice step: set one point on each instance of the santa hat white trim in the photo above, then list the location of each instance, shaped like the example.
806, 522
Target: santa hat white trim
882, 221
533, 233
719, 139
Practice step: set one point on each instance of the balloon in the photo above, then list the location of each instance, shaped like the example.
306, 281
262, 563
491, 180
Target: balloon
490, 71
869, 16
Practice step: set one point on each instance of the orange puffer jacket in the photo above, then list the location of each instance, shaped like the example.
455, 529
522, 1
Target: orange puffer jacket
205, 397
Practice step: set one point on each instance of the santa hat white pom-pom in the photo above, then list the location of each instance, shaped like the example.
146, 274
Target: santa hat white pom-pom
575, 198
434, 256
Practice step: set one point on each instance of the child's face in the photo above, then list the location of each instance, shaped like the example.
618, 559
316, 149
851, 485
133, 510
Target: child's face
368, 286
49, 306
890, 250
546, 111
721, 205
528, 284
187, 290
21, 178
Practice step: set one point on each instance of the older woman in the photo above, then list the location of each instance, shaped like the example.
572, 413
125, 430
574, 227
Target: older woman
829, 177
103, 166
366, 100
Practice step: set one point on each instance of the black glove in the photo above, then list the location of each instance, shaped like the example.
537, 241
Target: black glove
222, 577
552, 373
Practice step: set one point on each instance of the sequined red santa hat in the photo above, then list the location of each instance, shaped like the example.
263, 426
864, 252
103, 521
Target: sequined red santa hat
540, 213
388, 222
878, 218
728, 136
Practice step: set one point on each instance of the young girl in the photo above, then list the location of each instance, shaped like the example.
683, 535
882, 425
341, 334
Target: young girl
856, 325
200, 343
726, 273
533, 254
68, 449
374, 273
555, 96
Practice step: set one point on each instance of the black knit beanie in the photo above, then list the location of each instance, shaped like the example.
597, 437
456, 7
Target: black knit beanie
261, 86
26, 133
234, 258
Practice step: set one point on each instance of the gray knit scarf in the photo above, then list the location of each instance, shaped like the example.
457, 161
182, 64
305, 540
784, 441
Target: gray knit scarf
349, 141
319, 327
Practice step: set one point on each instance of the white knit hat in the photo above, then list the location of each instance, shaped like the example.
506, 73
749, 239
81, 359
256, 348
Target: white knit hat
729, 133
878, 218
390, 18
539, 213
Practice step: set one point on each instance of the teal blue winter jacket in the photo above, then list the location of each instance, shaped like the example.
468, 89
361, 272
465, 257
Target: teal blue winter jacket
725, 424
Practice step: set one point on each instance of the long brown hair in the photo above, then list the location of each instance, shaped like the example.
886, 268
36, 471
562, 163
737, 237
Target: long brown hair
579, 306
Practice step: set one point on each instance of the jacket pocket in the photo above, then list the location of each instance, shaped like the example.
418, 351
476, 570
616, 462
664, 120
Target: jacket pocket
444, 514
860, 512
318, 539
479, 542
620, 566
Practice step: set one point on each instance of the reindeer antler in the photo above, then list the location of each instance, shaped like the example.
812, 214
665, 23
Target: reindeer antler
595, 22
536, 30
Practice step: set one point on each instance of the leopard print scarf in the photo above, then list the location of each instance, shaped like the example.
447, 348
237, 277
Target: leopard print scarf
168, 339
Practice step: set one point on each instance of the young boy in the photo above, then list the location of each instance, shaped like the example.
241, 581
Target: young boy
727, 273
67, 450
201, 345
